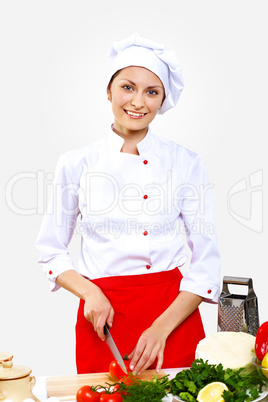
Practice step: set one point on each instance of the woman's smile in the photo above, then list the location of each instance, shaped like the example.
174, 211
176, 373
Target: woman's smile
134, 115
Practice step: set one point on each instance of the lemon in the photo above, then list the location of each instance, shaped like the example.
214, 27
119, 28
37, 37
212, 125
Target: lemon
264, 363
212, 392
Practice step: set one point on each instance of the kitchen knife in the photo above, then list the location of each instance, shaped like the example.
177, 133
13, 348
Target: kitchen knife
113, 348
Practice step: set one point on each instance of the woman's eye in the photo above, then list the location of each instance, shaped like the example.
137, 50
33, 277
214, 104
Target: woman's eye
127, 87
152, 92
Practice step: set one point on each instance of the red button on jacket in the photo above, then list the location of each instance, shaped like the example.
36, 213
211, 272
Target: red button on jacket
145, 197
148, 266
145, 162
145, 233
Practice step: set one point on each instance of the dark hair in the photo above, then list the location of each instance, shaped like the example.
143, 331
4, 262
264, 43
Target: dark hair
113, 77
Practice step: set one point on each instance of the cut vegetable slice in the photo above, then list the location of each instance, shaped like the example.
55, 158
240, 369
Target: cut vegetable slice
212, 392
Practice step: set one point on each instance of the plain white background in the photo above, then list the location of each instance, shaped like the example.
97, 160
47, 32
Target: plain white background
53, 78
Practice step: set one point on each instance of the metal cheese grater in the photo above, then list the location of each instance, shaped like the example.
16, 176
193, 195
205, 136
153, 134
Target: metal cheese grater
238, 313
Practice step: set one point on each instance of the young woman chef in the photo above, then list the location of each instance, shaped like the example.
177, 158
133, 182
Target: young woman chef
137, 196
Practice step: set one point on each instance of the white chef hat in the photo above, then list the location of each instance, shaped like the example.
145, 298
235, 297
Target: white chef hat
137, 50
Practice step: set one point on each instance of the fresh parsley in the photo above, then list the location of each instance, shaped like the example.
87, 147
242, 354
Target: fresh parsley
243, 387
144, 391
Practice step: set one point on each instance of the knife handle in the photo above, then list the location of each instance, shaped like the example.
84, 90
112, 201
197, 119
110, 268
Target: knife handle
105, 329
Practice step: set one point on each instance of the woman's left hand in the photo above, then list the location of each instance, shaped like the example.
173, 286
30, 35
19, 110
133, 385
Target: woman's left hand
150, 346
152, 341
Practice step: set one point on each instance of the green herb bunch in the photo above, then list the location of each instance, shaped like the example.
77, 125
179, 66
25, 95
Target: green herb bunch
242, 387
145, 391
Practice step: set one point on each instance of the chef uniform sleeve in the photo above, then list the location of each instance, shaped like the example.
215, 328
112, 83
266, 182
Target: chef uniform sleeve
58, 225
197, 211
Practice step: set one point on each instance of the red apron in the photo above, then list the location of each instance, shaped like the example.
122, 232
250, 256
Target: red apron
137, 301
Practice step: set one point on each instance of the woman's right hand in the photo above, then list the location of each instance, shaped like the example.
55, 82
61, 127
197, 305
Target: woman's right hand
98, 310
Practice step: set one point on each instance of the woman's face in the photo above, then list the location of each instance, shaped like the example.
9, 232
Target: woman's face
136, 95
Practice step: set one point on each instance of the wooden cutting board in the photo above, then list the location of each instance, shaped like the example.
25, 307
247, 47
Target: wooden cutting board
66, 387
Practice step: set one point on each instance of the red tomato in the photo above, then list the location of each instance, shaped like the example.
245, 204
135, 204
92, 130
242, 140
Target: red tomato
261, 342
116, 371
111, 398
87, 394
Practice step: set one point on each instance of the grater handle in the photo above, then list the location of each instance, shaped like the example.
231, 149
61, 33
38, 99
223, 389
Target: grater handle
235, 280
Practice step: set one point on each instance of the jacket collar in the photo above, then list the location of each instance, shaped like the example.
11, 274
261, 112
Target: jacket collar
115, 142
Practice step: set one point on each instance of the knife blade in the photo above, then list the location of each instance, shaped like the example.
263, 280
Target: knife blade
110, 342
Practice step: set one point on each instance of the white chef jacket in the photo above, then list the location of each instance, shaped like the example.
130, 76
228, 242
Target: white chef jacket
135, 213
